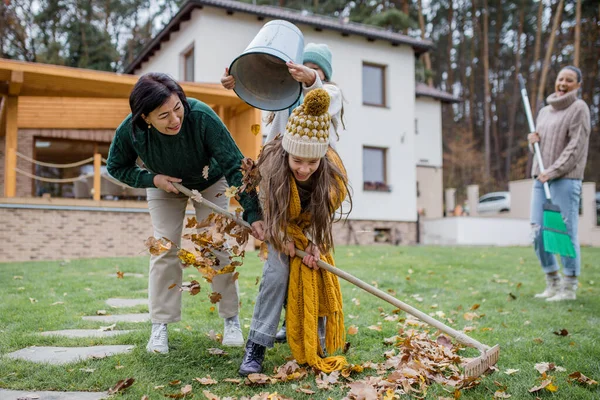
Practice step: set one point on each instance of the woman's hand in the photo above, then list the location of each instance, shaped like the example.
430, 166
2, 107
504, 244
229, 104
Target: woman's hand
258, 230
302, 73
533, 138
543, 177
164, 182
313, 255
228, 81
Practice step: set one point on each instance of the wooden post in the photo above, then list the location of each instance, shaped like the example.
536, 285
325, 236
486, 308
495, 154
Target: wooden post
10, 147
97, 167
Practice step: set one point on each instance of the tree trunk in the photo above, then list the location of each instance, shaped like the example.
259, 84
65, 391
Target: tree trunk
577, 33
426, 58
450, 80
536, 57
515, 96
494, 113
473, 67
406, 10
486, 87
548, 58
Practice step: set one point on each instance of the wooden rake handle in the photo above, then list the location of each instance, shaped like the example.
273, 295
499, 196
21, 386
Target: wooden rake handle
460, 336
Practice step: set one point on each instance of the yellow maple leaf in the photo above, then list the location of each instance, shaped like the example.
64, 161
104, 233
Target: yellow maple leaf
255, 129
231, 191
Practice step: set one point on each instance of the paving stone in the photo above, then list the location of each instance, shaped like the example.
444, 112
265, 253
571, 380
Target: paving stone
64, 355
143, 317
39, 395
124, 303
83, 333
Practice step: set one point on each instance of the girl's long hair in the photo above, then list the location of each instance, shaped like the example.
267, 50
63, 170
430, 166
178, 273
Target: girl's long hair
327, 204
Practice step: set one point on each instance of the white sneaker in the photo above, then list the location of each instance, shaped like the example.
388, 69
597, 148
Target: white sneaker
552, 288
566, 292
159, 341
232, 334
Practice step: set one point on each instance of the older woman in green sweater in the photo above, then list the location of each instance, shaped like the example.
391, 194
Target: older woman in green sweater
563, 132
176, 138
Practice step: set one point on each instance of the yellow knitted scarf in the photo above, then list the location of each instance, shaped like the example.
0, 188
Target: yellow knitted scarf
312, 294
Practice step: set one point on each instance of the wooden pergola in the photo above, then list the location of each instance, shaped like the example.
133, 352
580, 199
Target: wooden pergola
54, 97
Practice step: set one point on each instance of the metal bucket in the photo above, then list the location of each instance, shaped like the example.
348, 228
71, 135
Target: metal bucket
261, 77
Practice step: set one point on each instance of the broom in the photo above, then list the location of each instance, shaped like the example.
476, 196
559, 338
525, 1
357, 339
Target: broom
474, 368
554, 231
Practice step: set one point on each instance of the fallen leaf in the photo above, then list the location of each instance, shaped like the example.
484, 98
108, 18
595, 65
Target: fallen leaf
375, 328
159, 387
470, 316
541, 386
352, 330
581, 378
101, 312
257, 280
205, 172
231, 191
232, 380
207, 381
263, 252
32, 300
175, 383
356, 301
474, 307
445, 341
215, 297
511, 371
157, 246
217, 352
57, 303
145, 397
120, 274
210, 396
121, 385
562, 332
87, 369
187, 389
107, 328
500, 394
538, 340
306, 391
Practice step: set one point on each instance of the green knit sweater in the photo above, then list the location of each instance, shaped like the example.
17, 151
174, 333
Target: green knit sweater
203, 140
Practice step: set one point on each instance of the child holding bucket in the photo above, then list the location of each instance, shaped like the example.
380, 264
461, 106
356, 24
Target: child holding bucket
315, 72
303, 184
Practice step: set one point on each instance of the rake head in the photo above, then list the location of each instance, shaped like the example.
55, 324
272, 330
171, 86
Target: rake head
479, 365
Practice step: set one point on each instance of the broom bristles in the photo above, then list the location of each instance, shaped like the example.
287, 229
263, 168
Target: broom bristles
554, 233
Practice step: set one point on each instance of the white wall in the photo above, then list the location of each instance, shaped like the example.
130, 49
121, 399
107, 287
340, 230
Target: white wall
477, 231
219, 38
428, 135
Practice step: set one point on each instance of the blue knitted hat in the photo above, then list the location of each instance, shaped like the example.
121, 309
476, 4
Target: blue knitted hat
321, 55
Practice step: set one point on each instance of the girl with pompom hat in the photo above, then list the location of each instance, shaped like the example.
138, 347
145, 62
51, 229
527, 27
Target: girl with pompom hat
303, 183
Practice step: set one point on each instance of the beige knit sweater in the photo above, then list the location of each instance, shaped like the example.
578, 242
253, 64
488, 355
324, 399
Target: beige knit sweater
564, 129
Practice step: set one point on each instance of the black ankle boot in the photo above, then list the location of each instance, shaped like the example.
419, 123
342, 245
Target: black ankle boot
281, 336
253, 359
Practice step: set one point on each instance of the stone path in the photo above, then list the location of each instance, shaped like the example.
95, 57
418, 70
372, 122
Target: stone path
118, 318
38, 395
125, 303
64, 355
83, 333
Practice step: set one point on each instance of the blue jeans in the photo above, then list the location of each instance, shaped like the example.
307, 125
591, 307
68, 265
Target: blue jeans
566, 194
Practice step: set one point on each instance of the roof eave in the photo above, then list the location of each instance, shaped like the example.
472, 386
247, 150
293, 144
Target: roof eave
419, 46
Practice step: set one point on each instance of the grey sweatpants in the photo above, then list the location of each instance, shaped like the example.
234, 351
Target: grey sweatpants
167, 211
271, 298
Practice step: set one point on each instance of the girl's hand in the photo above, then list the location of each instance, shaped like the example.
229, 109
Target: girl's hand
228, 81
533, 138
164, 182
290, 248
258, 230
302, 73
312, 257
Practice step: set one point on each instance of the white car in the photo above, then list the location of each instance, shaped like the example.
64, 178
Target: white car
494, 203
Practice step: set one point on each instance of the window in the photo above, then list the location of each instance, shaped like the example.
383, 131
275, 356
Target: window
374, 169
188, 65
373, 80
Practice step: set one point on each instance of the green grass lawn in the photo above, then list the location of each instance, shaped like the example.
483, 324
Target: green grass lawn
42, 296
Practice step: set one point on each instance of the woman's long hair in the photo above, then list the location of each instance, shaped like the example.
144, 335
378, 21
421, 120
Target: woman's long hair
329, 189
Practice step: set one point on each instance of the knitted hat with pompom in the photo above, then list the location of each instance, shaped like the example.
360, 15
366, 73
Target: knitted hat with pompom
307, 131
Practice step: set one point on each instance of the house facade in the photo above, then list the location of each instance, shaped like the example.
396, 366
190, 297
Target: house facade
375, 70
